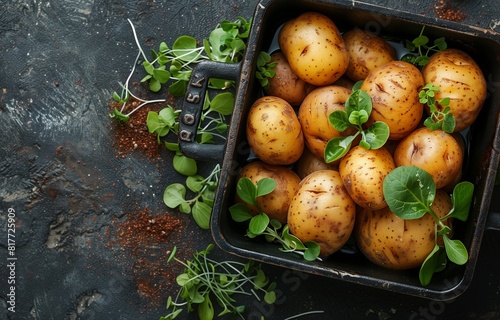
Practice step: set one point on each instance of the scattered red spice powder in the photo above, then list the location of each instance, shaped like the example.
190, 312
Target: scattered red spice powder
444, 10
142, 240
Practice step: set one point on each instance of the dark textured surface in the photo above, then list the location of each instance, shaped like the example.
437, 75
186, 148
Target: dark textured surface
60, 62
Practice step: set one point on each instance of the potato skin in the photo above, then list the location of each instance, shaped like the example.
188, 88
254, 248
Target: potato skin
394, 89
394, 243
367, 51
363, 172
314, 48
285, 84
459, 78
276, 203
434, 151
274, 132
322, 211
309, 162
313, 116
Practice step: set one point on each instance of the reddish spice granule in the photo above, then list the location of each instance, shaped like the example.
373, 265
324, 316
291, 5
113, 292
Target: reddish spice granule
445, 11
133, 135
143, 239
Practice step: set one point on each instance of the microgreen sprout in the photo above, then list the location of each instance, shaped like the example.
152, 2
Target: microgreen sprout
358, 108
261, 225
203, 188
206, 281
438, 119
421, 50
410, 192
265, 68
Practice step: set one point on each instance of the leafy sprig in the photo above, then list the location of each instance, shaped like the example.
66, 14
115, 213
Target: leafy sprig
410, 192
358, 108
421, 50
438, 119
265, 68
206, 281
261, 225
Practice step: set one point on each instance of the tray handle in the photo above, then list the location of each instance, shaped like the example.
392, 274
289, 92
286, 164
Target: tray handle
192, 108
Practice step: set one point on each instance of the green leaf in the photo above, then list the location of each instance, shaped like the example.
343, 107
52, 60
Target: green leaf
174, 195
119, 115
440, 43
358, 100
270, 297
184, 48
240, 212
420, 41
461, 200
312, 252
448, 123
435, 261
247, 191
339, 120
377, 134
154, 85
152, 122
201, 213
185, 165
336, 148
259, 223
148, 67
195, 183
223, 103
358, 117
265, 186
206, 309
178, 88
409, 192
161, 75
455, 250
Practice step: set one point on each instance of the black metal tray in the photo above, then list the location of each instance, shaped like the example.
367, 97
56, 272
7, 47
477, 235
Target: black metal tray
480, 168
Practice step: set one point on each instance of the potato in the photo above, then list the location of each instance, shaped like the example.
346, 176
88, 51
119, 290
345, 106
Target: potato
434, 151
394, 89
459, 78
367, 51
363, 172
313, 116
274, 132
276, 203
394, 243
285, 84
322, 211
309, 162
314, 48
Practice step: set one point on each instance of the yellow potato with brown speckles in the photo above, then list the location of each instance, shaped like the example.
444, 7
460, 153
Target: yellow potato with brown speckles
459, 78
435, 151
276, 203
274, 132
322, 211
363, 172
393, 88
314, 48
394, 243
367, 51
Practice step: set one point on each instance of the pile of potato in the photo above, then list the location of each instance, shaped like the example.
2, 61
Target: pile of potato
288, 130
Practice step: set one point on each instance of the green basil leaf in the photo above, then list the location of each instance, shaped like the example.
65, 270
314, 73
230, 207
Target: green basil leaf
240, 212
247, 191
259, 223
377, 134
339, 120
336, 148
455, 250
174, 195
201, 213
265, 186
409, 192
184, 165
435, 261
461, 200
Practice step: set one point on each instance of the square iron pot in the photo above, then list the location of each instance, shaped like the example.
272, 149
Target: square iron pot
349, 265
